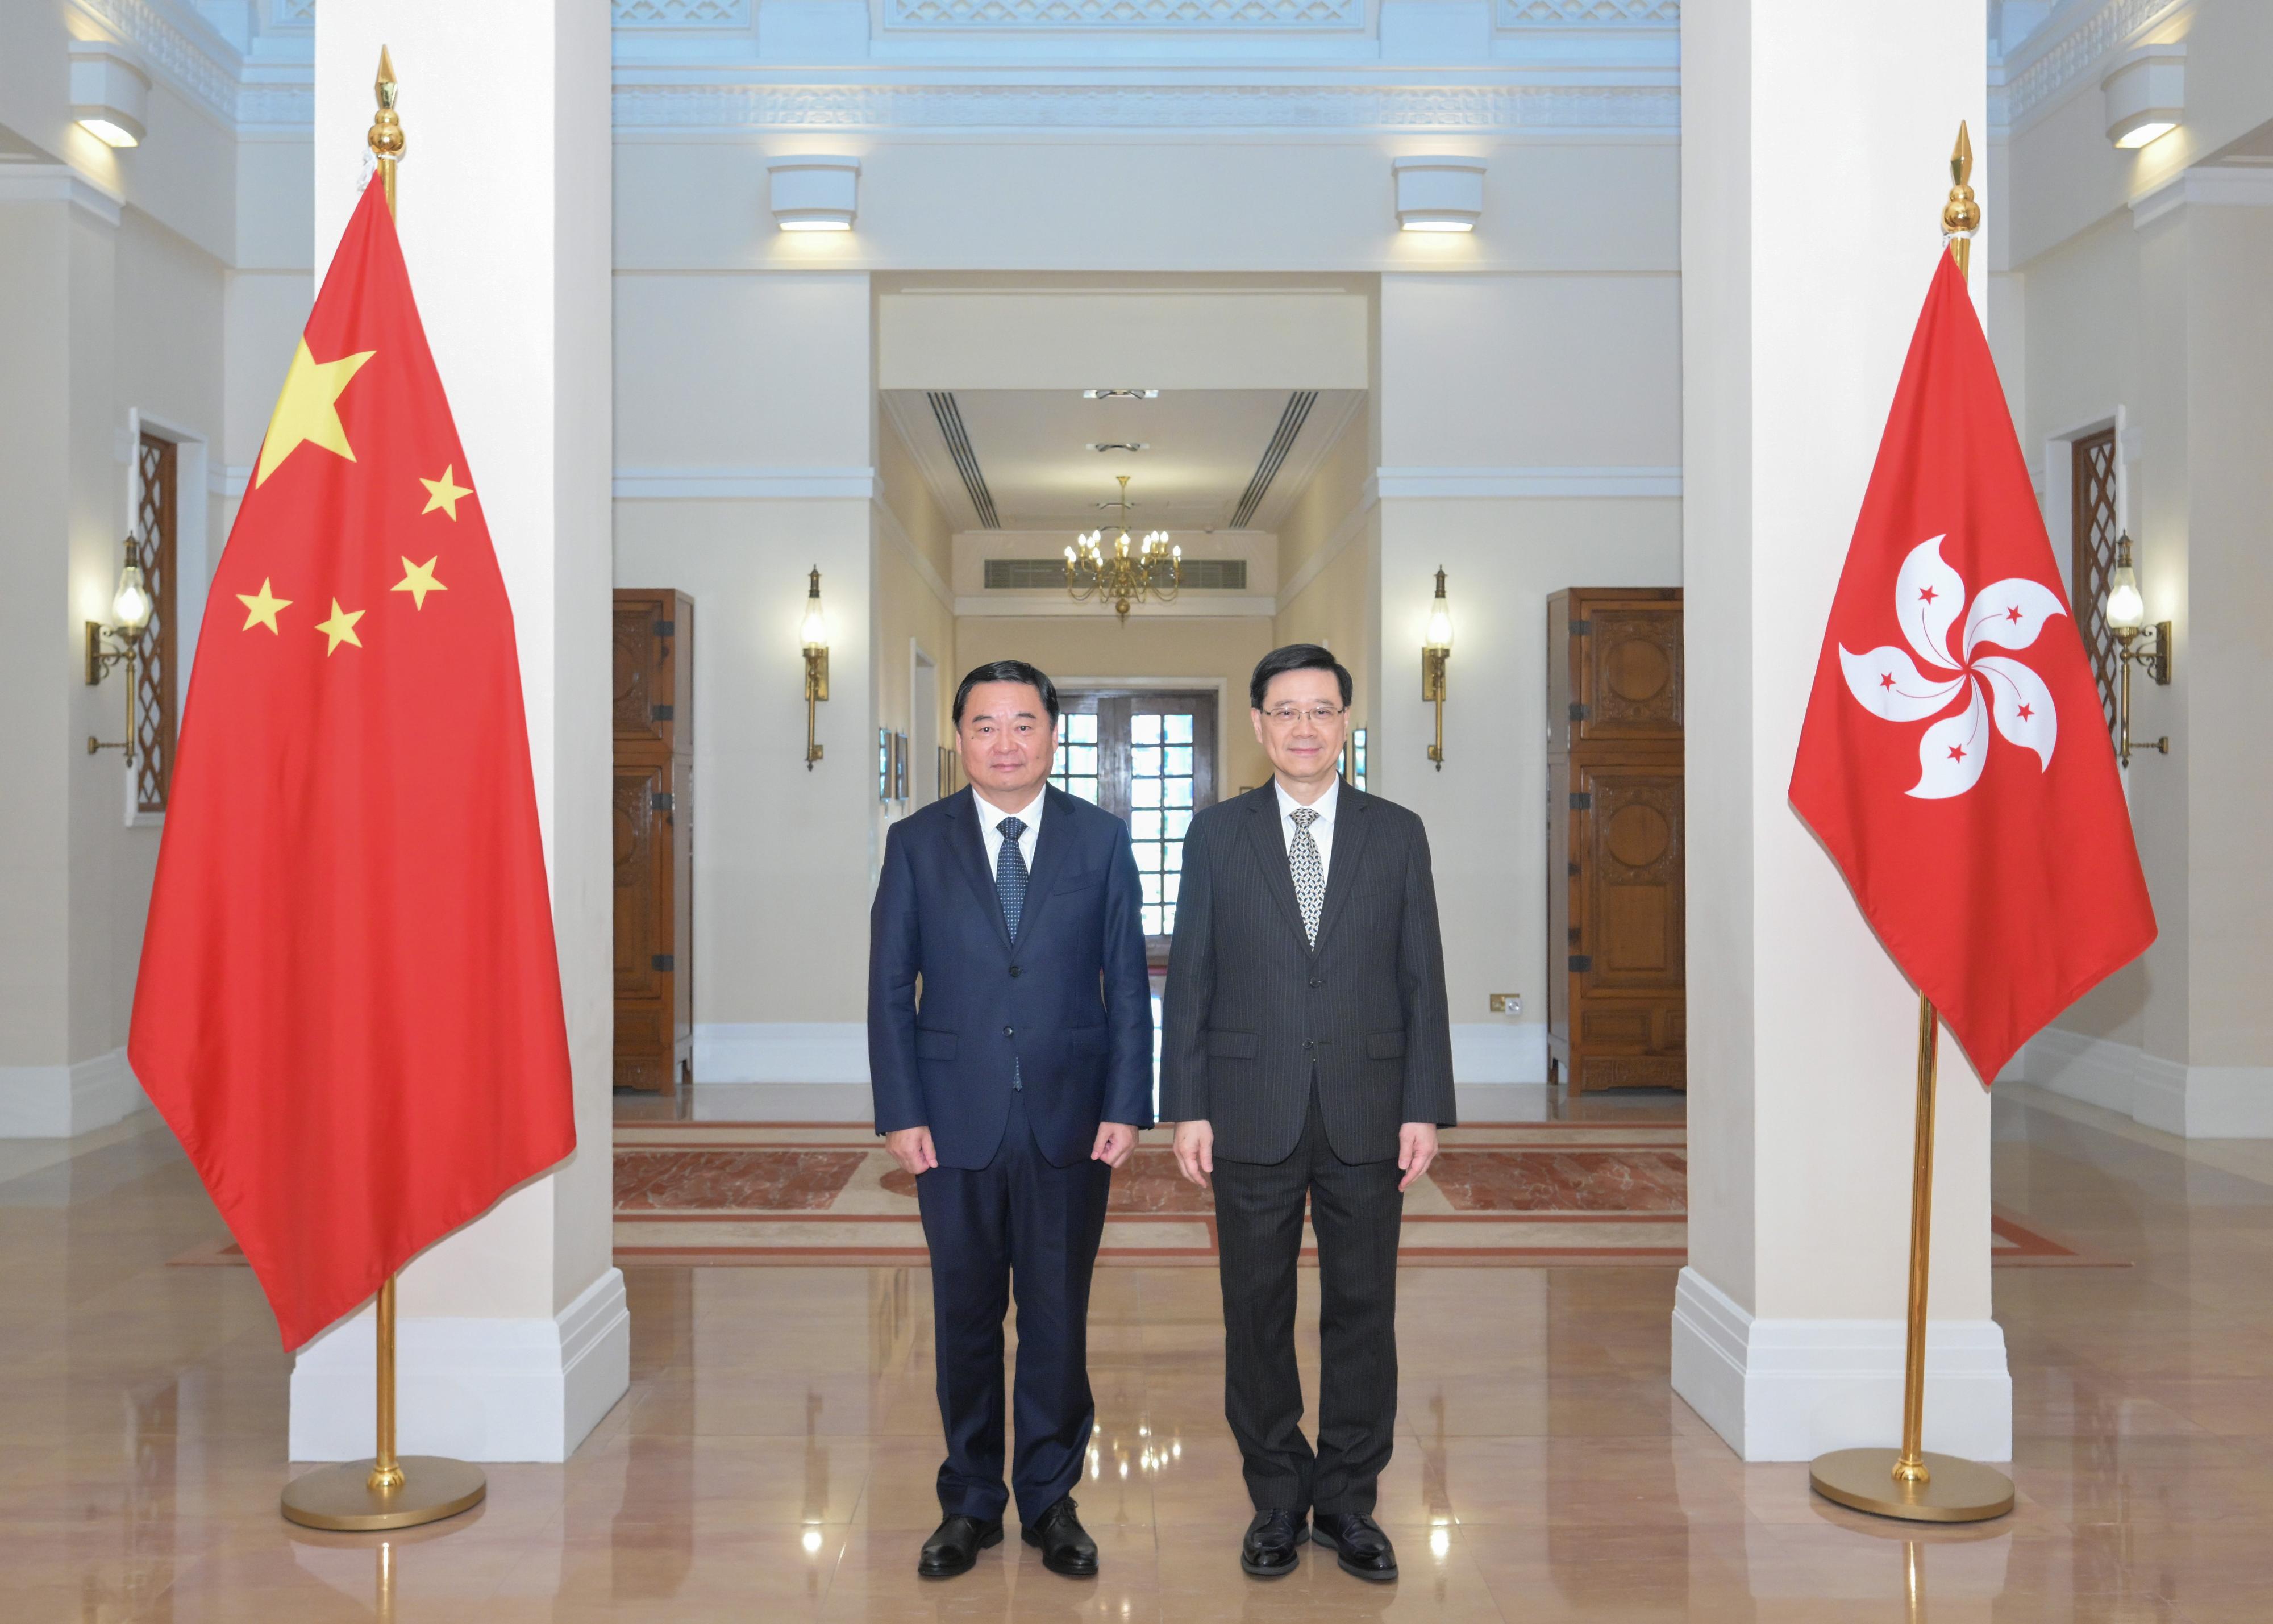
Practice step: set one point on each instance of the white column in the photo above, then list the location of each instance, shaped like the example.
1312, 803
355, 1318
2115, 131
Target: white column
514, 1340
1814, 140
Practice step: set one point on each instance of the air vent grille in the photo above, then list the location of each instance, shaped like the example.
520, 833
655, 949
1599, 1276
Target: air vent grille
1027, 574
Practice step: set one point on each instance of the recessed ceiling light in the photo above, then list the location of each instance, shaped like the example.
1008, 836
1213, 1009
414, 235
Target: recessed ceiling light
1120, 394
1122, 445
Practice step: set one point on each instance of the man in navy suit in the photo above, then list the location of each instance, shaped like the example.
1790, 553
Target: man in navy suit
1010, 1091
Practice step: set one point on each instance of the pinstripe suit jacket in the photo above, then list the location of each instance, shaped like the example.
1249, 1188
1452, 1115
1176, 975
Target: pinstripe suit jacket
1250, 1005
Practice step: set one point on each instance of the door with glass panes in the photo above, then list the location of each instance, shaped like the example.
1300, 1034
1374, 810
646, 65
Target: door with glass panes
1149, 757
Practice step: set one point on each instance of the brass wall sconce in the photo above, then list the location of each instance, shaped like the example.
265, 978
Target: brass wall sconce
816, 637
1435, 649
131, 607
2127, 616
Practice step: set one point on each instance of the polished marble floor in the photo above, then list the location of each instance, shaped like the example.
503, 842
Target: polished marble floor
773, 1458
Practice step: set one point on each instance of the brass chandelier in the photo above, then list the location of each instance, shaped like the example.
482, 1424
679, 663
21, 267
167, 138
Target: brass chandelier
1128, 574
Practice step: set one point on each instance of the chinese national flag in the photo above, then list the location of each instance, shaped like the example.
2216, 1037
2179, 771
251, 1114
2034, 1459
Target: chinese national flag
1953, 760
349, 1003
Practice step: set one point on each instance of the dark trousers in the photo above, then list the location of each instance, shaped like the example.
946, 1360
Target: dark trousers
1356, 1208
1016, 1216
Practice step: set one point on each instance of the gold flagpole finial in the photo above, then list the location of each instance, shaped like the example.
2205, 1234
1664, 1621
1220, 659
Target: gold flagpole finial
1961, 216
385, 136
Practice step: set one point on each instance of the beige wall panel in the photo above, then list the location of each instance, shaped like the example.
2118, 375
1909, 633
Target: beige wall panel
1297, 337
732, 371
1213, 201
1488, 371
2226, 641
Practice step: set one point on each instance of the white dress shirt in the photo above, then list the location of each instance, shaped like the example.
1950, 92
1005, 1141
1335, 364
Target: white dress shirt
1322, 832
990, 821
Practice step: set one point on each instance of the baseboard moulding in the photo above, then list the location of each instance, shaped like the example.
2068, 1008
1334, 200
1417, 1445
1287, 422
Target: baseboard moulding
478, 1389
62, 1102
2193, 1102
1792, 1389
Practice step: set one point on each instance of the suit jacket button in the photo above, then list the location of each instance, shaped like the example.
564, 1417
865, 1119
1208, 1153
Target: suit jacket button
1014, 969
1010, 1031
1316, 982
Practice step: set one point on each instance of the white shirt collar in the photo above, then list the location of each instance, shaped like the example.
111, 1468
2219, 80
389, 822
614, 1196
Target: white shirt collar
1323, 805
991, 816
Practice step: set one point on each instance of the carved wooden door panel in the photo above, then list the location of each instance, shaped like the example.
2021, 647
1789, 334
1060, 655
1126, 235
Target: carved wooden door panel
1616, 1011
1628, 938
652, 814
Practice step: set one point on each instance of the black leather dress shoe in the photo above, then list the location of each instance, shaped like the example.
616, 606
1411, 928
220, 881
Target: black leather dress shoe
1357, 1539
955, 1546
1065, 1546
1268, 1550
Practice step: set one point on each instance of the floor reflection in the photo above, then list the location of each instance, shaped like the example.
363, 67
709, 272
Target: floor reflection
775, 1457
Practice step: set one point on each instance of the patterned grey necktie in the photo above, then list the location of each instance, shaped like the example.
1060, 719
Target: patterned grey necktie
1309, 873
1010, 874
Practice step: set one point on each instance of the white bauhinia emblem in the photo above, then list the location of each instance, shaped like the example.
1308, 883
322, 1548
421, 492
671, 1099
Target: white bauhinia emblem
1929, 596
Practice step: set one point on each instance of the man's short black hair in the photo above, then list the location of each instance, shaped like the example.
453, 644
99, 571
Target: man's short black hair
1014, 670
1296, 657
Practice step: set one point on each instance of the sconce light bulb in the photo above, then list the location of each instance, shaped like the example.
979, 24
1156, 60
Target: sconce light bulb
1440, 627
2126, 612
131, 606
815, 632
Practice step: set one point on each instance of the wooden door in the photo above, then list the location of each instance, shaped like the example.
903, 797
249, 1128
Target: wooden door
1150, 759
1617, 1010
654, 818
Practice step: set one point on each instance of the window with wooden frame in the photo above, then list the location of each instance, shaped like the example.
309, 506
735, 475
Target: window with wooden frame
155, 542
2094, 525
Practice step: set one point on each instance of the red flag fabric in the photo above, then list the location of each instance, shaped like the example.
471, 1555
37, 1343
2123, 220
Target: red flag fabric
348, 1008
1953, 760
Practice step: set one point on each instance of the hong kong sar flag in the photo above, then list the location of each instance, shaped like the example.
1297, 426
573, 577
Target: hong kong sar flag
349, 1002
1953, 760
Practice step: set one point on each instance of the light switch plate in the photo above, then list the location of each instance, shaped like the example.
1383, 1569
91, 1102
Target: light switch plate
1507, 1003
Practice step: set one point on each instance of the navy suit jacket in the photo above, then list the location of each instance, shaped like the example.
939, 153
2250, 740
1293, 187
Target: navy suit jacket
1069, 1000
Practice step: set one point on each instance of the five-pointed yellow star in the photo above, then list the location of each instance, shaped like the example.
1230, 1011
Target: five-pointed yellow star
444, 493
341, 627
418, 581
307, 409
260, 607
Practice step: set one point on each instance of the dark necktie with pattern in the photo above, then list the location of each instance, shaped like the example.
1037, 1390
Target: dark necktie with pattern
1310, 871
1010, 888
1010, 874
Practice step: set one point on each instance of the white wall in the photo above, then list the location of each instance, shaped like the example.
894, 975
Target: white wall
2143, 275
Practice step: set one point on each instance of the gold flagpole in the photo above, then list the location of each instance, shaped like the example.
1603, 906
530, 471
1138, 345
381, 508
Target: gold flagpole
1908, 1483
386, 1491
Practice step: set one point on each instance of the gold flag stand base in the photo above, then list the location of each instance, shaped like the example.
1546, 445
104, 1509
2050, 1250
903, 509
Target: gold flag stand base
1954, 1491
340, 1498
388, 1491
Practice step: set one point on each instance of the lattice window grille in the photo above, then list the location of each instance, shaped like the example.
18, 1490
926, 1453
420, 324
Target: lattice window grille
154, 671
1160, 810
2096, 526
1075, 770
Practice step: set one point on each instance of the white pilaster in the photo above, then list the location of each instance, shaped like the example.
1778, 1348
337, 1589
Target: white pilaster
512, 1339
1810, 210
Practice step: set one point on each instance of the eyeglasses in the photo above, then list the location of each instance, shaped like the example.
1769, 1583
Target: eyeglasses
1316, 715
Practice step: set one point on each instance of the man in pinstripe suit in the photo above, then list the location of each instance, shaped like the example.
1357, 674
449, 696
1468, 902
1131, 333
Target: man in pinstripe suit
1307, 1059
